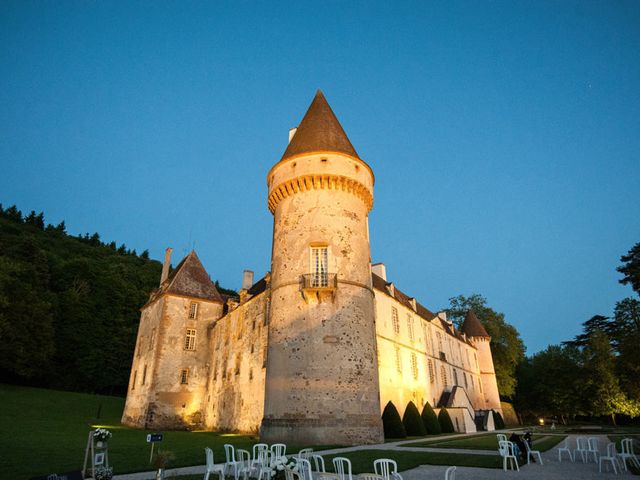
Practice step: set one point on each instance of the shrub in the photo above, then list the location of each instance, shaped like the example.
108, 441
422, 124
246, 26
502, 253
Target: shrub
430, 420
413, 422
497, 420
446, 425
392, 423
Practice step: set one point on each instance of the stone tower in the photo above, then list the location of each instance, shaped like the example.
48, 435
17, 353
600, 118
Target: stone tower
322, 377
473, 329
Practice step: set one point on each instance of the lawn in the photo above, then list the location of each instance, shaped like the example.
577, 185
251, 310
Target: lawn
488, 441
45, 431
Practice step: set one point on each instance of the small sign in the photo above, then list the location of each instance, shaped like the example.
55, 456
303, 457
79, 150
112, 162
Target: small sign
154, 437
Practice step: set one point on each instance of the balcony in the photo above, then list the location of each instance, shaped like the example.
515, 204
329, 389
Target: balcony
319, 286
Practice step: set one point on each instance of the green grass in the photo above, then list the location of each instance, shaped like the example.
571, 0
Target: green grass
487, 441
45, 431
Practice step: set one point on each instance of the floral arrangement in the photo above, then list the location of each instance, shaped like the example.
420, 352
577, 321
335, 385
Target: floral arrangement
278, 466
101, 435
103, 473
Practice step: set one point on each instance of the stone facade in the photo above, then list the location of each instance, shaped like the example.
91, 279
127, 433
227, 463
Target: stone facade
312, 352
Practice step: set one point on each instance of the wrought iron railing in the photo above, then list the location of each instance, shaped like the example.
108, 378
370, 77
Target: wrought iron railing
319, 280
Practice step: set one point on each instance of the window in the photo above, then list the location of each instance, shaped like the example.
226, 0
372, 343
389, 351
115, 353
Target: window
250, 374
464, 375
238, 361
455, 377
215, 370
133, 383
394, 319
414, 366
144, 375
264, 357
443, 374
439, 335
319, 267
152, 338
432, 377
398, 360
410, 326
184, 376
190, 339
252, 348
240, 324
475, 357
193, 310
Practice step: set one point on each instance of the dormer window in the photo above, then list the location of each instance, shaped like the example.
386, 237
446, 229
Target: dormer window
193, 311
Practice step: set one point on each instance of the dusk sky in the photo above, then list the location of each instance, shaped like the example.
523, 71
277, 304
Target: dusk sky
504, 136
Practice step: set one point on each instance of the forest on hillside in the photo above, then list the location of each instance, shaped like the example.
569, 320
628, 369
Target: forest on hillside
69, 305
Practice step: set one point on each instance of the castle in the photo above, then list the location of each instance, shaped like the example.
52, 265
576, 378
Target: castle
311, 352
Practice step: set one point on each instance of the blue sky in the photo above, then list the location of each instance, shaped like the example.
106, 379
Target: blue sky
505, 136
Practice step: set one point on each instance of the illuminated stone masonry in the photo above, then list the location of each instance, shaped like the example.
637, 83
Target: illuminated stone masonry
312, 352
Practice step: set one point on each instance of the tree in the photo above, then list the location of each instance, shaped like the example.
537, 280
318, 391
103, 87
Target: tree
392, 423
631, 268
602, 390
627, 340
430, 420
412, 421
507, 348
597, 323
446, 425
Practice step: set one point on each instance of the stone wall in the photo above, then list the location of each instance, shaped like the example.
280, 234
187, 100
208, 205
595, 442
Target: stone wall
171, 399
235, 400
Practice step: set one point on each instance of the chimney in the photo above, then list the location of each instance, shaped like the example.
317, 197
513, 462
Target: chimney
292, 132
247, 279
380, 270
165, 265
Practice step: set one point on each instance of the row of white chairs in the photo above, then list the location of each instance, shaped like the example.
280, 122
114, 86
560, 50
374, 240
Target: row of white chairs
308, 466
588, 448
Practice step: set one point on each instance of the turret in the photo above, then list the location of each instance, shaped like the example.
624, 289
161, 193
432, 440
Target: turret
322, 380
473, 329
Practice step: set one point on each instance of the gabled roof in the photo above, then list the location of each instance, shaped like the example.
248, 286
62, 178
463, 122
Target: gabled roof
319, 130
190, 278
472, 326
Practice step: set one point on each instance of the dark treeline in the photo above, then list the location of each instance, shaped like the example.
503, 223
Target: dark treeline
69, 306
597, 374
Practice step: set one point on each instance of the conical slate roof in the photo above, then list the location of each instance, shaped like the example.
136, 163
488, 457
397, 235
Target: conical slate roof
191, 279
319, 130
472, 326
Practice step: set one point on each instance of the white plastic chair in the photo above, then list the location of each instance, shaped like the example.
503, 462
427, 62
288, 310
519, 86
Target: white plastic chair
243, 464
305, 453
262, 469
450, 473
565, 448
507, 452
211, 467
230, 459
611, 457
256, 451
278, 452
303, 467
532, 453
628, 453
592, 443
387, 469
318, 463
342, 467
582, 447
501, 437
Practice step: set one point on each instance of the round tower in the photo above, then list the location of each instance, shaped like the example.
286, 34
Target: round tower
322, 378
482, 341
